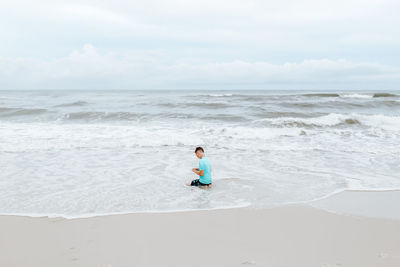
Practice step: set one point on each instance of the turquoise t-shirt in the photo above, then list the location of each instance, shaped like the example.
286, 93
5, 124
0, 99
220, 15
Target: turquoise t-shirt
205, 165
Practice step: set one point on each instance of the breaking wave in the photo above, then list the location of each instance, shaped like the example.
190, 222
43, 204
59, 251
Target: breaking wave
335, 119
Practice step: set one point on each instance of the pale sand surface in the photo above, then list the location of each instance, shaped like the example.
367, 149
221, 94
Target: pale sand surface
294, 235
378, 204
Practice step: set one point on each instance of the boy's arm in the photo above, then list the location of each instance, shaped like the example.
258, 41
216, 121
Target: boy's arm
198, 172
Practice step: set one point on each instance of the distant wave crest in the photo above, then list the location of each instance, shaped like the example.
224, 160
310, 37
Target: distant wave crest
73, 104
384, 95
10, 112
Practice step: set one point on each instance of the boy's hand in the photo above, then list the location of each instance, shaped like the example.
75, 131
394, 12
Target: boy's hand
198, 172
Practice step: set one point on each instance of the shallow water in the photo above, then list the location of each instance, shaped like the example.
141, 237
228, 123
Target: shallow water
82, 153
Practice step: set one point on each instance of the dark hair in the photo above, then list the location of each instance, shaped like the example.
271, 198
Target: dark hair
199, 148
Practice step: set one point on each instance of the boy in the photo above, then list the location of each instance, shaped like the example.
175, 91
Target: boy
204, 170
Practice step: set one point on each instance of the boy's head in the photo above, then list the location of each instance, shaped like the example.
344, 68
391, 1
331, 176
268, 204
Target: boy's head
199, 152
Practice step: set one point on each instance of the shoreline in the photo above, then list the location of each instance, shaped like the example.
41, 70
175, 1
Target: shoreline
292, 235
326, 203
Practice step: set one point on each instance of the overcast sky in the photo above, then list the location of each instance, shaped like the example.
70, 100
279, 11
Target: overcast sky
201, 44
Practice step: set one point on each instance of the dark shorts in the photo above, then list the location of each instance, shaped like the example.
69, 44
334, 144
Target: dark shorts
197, 183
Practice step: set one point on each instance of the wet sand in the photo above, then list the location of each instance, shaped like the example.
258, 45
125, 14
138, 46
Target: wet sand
293, 235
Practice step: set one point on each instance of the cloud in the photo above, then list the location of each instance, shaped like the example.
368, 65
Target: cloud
248, 22
90, 68
196, 44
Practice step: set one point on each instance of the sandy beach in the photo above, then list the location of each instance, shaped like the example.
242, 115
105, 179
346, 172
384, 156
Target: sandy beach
293, 235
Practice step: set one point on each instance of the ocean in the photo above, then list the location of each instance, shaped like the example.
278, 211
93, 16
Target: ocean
88, 153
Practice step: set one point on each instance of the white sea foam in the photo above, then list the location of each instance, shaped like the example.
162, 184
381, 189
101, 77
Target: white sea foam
357, 95
90, 166
220, 95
